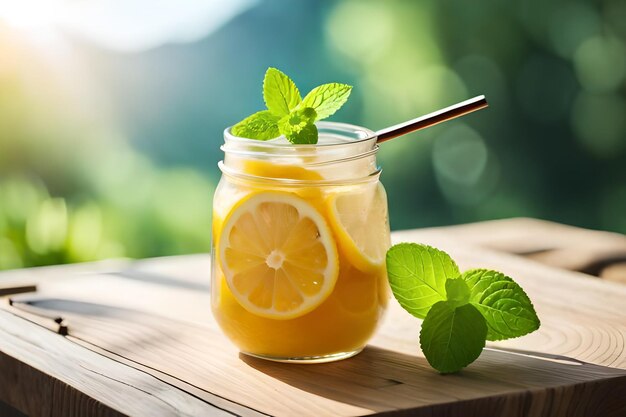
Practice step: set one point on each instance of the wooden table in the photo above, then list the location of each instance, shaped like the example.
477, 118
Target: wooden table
137, 338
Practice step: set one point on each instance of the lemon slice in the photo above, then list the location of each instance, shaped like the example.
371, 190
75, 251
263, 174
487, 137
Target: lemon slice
278, 255
272, 170
311, 193
360, 221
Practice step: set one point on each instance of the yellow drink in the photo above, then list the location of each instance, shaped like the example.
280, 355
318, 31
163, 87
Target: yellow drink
298, 249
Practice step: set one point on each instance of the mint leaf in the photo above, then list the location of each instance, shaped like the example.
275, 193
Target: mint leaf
279, 92
417, 276
504, 304
457, 291
327, 99
262, 125
452, 337
287, 113
298, 126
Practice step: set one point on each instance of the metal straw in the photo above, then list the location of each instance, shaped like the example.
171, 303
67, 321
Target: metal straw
431, 119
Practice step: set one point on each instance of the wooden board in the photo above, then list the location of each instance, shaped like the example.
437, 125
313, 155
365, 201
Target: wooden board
145, 334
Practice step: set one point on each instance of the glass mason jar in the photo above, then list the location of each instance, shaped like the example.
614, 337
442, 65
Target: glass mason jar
300, 234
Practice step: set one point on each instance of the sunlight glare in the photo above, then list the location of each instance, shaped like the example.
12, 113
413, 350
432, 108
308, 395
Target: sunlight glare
29, 15
126, 26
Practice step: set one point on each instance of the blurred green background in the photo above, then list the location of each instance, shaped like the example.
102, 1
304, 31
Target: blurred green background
111, 112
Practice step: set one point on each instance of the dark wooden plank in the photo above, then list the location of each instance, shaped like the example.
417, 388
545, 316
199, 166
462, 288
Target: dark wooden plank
8, 411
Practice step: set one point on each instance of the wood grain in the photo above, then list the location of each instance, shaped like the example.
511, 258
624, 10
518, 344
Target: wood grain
148, 326
377, 380
593, 252
44, 374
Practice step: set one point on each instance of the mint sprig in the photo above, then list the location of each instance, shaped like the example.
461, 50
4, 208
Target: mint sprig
288, 114
460, 311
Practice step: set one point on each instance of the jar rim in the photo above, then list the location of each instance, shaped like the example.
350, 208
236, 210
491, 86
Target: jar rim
342, 144
364, 134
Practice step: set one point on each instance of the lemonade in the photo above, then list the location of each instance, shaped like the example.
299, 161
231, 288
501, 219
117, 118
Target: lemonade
300, 234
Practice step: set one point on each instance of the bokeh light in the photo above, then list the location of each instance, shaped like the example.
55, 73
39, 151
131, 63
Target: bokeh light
601, 63
599, 121
361, 30
571, 25
464, 168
